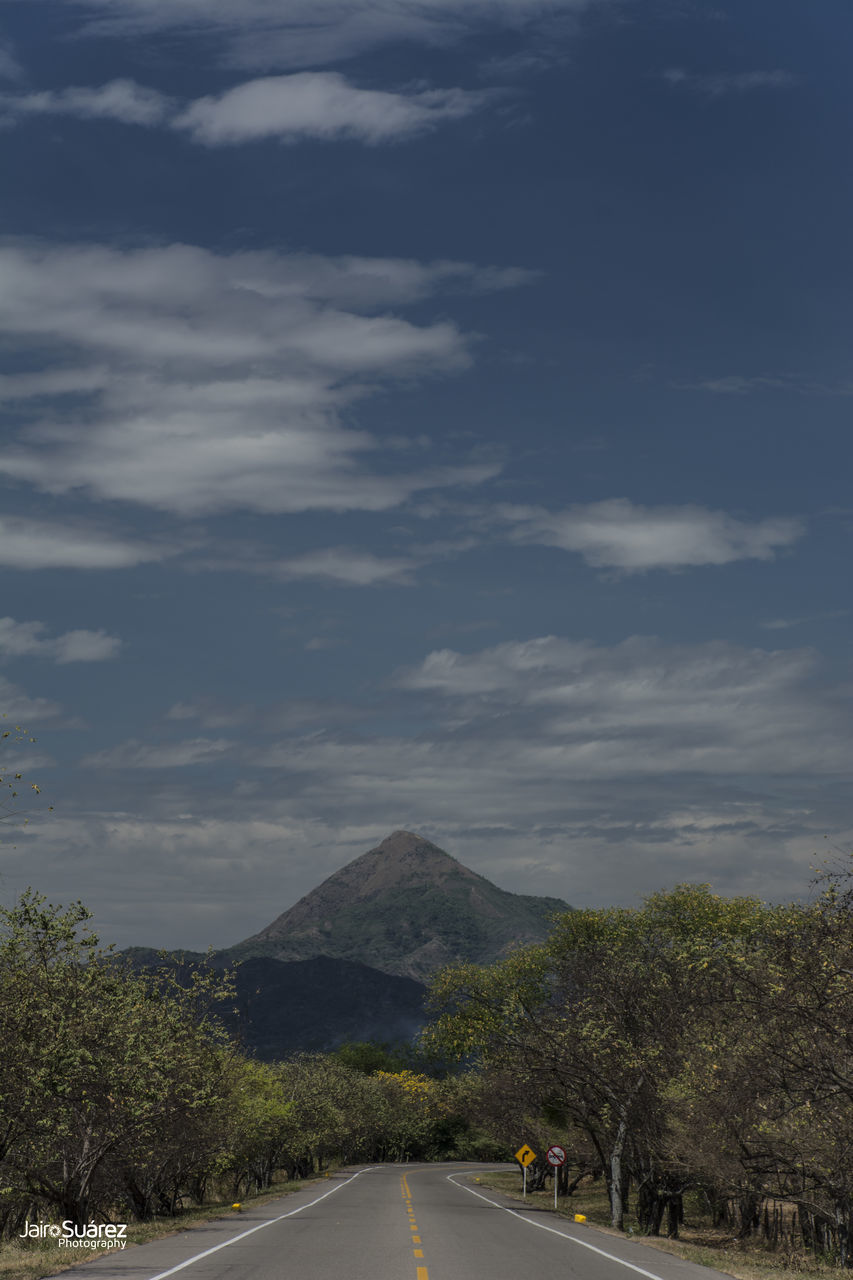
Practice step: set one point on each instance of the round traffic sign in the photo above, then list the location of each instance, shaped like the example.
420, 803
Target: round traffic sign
555, 1156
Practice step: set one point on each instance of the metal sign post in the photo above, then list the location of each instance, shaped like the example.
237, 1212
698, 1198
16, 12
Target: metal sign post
556, 1158
525, 1156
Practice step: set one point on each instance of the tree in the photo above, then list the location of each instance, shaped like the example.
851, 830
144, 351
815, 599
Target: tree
103, 1071
599, 1022
258, 1126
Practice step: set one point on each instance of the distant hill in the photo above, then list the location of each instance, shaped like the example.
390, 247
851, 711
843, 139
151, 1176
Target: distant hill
282, 1007
406, 908
349, 960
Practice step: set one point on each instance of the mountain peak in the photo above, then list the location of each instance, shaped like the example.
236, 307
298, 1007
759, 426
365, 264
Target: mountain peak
401, 856
401, 860
403, 842
405, 907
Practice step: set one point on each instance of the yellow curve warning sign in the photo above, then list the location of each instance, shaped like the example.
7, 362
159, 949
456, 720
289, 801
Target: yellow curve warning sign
525, 1155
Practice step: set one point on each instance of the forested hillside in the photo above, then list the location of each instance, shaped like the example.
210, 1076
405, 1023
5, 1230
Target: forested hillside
281, 1007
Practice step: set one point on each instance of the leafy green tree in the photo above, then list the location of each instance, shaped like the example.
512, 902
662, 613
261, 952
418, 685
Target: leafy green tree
103, 1069
258, 1125
795, 1007
598, 1022
370, 1056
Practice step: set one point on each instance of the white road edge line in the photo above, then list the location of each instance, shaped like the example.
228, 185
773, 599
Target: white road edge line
451, 1177
242, 1236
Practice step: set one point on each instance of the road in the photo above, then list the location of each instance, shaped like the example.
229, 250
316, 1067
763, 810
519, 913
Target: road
392, 1222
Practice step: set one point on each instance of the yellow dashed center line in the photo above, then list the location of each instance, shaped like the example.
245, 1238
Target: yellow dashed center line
422, 1273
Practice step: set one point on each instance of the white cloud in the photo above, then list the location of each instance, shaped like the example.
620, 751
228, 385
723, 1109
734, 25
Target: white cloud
744, 384
321, 105
593, 772
212, 382
303, 33
10, 67
785, 624
19, 707
618, 534
121, 100
739, 385
642, 707
34, 386
26, 639
721, 83
595, 745
168, 755
180, 880
53, 544
194, 880
86, 646
348, 566
509, 728
292, 715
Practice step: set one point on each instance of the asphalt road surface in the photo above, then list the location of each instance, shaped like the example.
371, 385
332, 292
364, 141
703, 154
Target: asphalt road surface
392, 1222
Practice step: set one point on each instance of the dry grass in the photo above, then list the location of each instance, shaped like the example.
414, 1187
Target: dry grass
699, 1242
33, 1259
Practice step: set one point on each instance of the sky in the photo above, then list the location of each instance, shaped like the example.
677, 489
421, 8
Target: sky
427, 415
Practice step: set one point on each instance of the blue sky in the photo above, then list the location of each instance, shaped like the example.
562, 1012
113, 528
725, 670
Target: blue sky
423, 415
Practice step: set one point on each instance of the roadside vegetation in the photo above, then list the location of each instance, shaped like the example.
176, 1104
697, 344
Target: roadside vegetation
33, 1259
123, 1101
695, 1047
694, 1057
699, 1240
